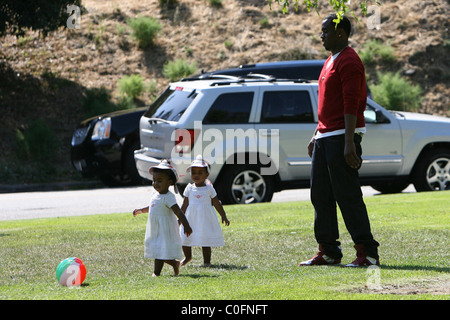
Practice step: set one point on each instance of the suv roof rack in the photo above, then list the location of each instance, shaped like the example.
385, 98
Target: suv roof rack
211, 77
260, 76
257, 78
243, 78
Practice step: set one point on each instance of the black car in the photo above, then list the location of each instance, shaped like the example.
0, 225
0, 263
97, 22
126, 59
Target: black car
104, 146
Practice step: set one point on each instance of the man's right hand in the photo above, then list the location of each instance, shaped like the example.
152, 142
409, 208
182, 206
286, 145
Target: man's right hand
311, 147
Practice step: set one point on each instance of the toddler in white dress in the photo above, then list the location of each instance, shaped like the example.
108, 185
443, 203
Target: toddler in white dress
199, 202
162, 239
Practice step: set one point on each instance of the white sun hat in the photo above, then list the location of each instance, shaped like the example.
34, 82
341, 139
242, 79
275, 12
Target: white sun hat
199, 162
164, 165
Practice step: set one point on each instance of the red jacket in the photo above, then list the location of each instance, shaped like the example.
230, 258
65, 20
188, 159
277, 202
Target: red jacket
342, 90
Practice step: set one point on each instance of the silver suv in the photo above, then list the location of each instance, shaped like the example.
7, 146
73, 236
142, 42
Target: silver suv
255, 132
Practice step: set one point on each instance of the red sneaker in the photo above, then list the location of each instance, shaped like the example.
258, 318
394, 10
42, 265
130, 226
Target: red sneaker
362, 260
320, 259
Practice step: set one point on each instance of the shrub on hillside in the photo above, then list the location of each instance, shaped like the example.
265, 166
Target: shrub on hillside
175, 70
395, 93
374, 51
97, 101
131, 86
145, 30
215, 3
38, 142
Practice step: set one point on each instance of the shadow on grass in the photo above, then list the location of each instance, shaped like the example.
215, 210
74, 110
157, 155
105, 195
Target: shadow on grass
415, 268
213, 266
227, 267
197, 276
390, 267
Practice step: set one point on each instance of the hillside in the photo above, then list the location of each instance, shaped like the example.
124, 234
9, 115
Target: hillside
46, 78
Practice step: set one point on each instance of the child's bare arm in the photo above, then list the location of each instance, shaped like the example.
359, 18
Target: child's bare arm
181, 217
185, 204
139, 211
218, 205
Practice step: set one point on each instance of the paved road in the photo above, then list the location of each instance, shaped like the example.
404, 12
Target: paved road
30, 205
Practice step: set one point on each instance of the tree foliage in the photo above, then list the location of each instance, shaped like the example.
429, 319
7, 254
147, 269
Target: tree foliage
16, 16
341, 7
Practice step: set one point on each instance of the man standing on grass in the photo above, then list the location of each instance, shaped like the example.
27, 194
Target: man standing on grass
336, 151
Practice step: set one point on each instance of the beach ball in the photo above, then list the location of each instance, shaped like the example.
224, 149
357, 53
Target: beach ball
71, 272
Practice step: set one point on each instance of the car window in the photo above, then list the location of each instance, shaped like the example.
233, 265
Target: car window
230, 108
286, 107
170, 105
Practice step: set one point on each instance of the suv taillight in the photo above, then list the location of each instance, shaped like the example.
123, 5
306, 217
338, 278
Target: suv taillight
184, 140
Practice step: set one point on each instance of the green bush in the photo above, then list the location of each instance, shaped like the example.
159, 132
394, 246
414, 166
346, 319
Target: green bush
145, 30
152, 89
131, 86
374, 51
38, 142
228, 44
97, 101
125, 103
215, 3
264, 22
395, 93
175, 70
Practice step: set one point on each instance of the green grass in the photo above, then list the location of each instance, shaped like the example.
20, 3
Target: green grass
264, 244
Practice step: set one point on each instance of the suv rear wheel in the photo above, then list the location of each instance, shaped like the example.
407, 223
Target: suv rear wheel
244, 184
433, 171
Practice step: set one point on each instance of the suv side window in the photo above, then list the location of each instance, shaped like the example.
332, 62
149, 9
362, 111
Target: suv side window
287, 107
230, 108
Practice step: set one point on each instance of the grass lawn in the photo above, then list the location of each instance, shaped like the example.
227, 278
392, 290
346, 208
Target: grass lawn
264, 244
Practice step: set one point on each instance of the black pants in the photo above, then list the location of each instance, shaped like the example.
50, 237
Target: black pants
332, 180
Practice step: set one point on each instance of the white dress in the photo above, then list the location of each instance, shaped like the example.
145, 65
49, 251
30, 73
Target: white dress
162, 238
202, 217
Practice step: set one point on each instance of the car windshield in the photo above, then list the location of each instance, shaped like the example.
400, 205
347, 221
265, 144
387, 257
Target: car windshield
171, 104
